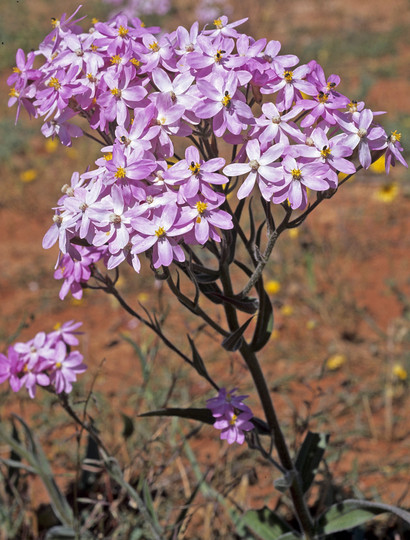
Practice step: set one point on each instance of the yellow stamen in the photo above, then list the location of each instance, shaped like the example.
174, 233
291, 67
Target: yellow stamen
218, 23
116, 92
226, 100
288, 75
218, 56
195, 168
201, 207
94, 21
54, 83
59, 365
394, 136
122, 31
352, 107
13, 92
296, 173
116, 59
325, 152
54, 22
160, 232
108, 156
233, 420
135, 62
16, 70
322, 97
94, 48
154, 46
120, 173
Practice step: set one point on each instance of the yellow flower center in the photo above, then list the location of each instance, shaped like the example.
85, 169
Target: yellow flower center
331, 85
288, 76
226, 100
160, 232
394, 136
54, 22
54, 83
122, 31
296, 173
59, 365
94, 48
16, 70
219, 55
135, 62
13, 92
322, 97
120, 173
116, 59
352, 107
233, 420
108, 156
116, 92
154, 46
94, 21
325, 152
218, 23
195, 168
201, 207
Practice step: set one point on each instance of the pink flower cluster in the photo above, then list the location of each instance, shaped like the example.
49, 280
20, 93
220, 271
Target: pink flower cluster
141, 92
45, 360
233, 417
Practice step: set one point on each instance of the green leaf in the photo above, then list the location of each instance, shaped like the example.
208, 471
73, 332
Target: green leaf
351, 513
265, 523
149, 502
309, 457
60, 532
234, 340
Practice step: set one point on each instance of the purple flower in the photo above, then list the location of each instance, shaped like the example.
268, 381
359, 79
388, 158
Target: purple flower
232, 415
65, 368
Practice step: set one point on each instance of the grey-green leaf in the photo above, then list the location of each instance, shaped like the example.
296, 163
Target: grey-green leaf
351, 513
265, 524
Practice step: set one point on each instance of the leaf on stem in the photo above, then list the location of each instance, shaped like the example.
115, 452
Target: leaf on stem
309, 457
353, 512
234, 341
264, 323
197, 361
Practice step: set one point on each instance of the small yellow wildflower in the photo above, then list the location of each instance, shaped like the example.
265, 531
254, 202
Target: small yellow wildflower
400, 372
51, 145
293, 233
379, 166
142, 297
28, 175
311, 324
387, 193
286, 310
272, 286
335, 361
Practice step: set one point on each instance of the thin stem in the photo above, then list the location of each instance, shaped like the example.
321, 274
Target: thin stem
266, 254
103, 143
295, 489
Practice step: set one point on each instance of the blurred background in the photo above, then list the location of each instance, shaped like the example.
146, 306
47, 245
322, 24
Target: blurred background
339, 358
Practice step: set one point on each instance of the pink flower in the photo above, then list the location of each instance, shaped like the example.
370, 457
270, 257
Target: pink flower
232, 415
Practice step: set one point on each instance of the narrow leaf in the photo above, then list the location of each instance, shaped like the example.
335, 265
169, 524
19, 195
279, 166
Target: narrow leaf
246, 304
309, 457
265, 523
264, 322
197, 361
128, 426
351, 513
234, 340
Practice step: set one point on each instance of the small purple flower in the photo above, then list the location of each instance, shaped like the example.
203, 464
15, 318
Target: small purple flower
232, 415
